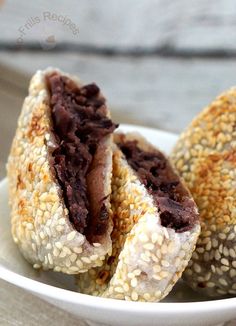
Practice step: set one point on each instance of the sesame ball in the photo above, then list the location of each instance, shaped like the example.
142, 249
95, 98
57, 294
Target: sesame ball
205, 156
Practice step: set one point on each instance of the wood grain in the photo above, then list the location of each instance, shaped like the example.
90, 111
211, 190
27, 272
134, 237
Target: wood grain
154, 92
19, 308
195, 25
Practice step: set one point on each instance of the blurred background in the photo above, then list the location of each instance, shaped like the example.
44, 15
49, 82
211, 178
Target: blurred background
159, 62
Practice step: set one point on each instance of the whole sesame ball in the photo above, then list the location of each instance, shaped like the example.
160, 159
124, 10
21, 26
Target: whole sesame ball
205, 156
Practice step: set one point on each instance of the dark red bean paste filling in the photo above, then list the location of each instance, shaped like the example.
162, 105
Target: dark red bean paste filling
176, 209
79, 124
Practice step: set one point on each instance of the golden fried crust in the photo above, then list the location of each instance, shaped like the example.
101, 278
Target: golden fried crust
147, 259
40, 221
205, 156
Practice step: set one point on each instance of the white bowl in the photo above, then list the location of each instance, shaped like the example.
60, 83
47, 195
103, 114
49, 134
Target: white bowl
181, 307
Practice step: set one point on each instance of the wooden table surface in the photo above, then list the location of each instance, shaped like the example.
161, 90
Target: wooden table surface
157, 62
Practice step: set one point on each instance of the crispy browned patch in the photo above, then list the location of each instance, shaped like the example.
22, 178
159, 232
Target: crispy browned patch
230, 156
22, 210
36, 127
30, 166
20, 184
102, 277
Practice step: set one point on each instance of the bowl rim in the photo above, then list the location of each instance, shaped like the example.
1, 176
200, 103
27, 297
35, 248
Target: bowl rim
76, 298
129, 307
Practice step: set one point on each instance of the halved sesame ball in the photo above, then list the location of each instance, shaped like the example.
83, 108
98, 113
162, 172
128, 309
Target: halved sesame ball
59, 172
155, 226
205, 156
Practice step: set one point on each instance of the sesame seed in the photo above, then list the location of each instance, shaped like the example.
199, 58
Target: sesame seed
219, 271
164, 274
134, 296
62, 254
126, 287
158, 293
145, 257
210, 284
157, 277
171, 247
73, 257
159, 239
154, 237
227, 228
78, 250
200, 279
42, 235
50, 260
221, 291
234, 286
165, 263
148, 246
67, 262
74, 269
234, 263
226, 251
231, 236
97, 245
166, 233
71, 235
45, 260
119, 289
200, 250
79, 264
134, 282
56, 252
58, 245
156, 268
224, 268
137, 272
164, 249
232, 253
49, 246
86, 260
214, 243
47, 230
29, 226
232, 273
195, 255
34, 247
147, 296
62, 221
197, 268
59, 228
206, 256
93, 257
221, 248
222, 281
222, 236
217, 255
177, 261
83, 270
232, 291
208, 246
127, 298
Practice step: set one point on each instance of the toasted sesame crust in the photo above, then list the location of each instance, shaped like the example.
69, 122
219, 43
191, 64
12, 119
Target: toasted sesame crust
205, 156
147, 259
40, 221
